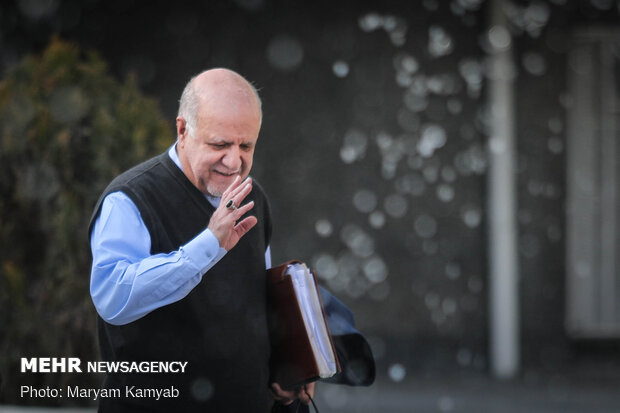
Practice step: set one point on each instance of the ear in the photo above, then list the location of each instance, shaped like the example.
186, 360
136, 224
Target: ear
181, 129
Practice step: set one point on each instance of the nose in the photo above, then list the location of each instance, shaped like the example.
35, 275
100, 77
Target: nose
232, 159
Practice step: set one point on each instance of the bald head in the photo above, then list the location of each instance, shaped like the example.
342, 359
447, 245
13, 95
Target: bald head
216, 89
217, 129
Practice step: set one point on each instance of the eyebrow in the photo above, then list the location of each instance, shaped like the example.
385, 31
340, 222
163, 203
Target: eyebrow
217, 140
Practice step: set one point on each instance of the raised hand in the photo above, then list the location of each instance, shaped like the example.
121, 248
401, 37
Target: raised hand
224, 223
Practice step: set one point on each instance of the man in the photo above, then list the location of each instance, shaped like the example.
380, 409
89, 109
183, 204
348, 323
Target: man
180, 244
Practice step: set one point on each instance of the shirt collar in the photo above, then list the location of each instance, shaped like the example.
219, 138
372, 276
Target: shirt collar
172, 153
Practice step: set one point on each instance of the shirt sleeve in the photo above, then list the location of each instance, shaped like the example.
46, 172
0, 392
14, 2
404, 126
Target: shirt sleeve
268, 257
127, 282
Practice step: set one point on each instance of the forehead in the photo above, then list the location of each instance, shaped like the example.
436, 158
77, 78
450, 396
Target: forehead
229, 125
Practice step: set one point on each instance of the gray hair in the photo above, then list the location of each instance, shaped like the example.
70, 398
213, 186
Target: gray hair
188, 106
190, 101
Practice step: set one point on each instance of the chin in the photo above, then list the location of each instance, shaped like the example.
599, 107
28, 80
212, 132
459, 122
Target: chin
214, 193
216, 190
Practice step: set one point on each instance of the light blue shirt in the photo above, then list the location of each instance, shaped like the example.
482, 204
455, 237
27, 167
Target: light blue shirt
126, 281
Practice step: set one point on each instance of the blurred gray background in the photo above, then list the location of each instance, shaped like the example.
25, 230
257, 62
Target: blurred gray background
448, 168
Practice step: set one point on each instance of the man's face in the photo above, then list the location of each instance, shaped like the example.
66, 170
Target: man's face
222, 146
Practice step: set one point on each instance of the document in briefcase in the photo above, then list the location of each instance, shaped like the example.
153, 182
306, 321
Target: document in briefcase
302, 349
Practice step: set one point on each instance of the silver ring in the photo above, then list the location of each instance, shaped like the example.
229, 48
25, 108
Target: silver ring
231, 205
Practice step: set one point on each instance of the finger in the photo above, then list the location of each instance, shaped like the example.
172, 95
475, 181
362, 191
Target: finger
242, 210
244, 226
306, 393
237, 185
231, 187
277, 389
283, 396
303, 397
239, 193
244, 190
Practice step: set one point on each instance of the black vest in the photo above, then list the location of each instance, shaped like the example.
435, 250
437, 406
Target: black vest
219, 328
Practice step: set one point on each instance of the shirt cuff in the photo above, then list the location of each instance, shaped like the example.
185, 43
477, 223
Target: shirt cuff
203, 251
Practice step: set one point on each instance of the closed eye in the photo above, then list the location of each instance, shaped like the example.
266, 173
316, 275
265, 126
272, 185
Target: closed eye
219, 145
